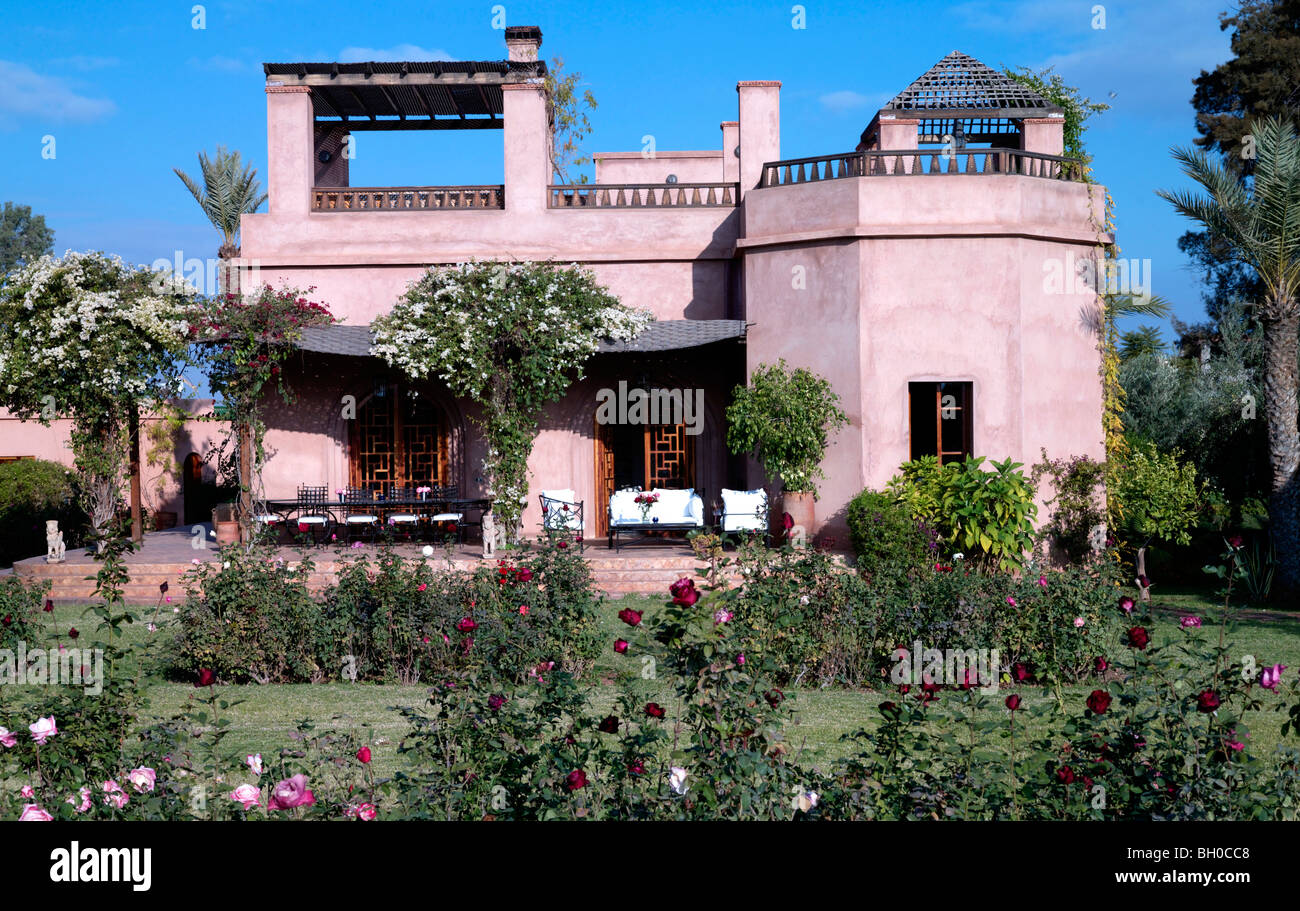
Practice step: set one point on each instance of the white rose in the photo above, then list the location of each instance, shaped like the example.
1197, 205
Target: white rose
677, 778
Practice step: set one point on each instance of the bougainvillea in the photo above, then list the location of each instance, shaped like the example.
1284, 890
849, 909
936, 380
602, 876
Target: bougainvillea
510, 337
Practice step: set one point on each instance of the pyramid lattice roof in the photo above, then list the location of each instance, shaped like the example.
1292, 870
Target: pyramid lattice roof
961, 86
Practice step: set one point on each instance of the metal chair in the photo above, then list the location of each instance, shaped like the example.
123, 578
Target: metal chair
403, 521
359, 512
562, 513
312, 512
456, 518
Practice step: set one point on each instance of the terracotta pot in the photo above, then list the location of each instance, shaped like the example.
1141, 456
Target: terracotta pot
225, 525
799, 504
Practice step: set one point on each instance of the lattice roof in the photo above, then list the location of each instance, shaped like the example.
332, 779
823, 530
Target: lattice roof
960, 86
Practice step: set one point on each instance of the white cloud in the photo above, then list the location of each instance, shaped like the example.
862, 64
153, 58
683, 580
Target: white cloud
30, 95
846, 100
84, 62
397, 52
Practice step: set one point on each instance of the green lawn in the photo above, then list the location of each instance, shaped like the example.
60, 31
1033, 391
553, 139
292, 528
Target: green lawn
267, 715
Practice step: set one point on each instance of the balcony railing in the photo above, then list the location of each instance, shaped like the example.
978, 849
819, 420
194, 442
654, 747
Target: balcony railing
920, 162
643, 195
401, 199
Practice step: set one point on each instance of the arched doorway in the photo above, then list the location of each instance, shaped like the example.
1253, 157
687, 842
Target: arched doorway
399, 439
196, 498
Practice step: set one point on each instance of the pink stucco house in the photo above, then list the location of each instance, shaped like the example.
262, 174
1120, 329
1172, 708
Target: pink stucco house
909, 271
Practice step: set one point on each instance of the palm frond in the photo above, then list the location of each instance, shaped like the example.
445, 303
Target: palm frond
230, 189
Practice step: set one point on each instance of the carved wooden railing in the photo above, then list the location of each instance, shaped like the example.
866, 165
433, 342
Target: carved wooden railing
920, 162
642, 195
399, 199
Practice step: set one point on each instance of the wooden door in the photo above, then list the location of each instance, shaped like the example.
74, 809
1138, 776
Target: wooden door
398, 441
604, 477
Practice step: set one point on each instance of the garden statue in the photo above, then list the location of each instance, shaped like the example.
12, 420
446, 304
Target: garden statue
489, 534
54, 548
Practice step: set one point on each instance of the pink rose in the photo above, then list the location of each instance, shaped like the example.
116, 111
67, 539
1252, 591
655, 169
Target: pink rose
85, 801
27, 792
1078, 623
43, 729
33, 813
254, 761
248, 795
1271, 676
290, 793
8, 738
142, 779
114, 796
365, 812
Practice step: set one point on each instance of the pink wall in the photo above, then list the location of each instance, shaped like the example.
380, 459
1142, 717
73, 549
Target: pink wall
634, 167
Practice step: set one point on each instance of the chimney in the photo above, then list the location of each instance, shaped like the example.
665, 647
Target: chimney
523, 42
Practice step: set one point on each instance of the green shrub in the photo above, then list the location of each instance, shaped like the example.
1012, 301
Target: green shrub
886, 538
987, 515
33, 491
20, 610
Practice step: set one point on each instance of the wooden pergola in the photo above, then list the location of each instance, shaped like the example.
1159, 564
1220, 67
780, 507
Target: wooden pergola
407, 95
961, 97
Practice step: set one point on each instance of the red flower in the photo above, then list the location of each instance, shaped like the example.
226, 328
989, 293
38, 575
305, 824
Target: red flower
684, 592
654, 710
206, 678
1065, 775
636, 767
73, 634
576, 779
1013, 702
1126, 604
620, 646
466, 625
774, 696
1020, 672
8, 619
524, 574
49, 606
1207, 702
609, 725
889, 709
495, 701
787, 521
1099, 701
1101, 664
1138, 638
363, 755
629, 616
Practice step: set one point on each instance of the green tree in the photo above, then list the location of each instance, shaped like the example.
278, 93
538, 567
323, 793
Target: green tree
1160, 496
784, 419
1070, 100
1262, 223
568, 108
1139, 341
24, 237
230, 189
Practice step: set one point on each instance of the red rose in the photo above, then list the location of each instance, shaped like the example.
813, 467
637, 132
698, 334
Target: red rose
654, 710
609, 725
466, 625
620, 646
889, 709
629, 616
49, 606
206, 678
1126, 604
1207, 702
363, 755
1013, 702
73, 634
684, 592
1065, 775
1099, 701
495, 701
526, 575
1138, 638
636, 767
787, 521
1020, 672
1101, 664
576, 779
8, 619
774, 696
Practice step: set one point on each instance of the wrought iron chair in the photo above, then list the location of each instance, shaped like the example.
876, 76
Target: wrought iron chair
359, 512
562, 514
453, 517
313, 517
403, 522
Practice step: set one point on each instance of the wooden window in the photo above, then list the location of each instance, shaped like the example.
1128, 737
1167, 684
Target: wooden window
15, 458
398, 441
940, 420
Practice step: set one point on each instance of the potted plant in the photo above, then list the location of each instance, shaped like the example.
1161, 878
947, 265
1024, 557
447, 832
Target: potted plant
784, 419
226, 524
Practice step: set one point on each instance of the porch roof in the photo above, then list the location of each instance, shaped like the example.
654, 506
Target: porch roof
661, 335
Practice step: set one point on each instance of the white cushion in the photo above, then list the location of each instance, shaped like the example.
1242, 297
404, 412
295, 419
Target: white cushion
268, 518
403, 517
622, 508
362, 520
744, 510
567, 496
673, 505
447, 517
311, 520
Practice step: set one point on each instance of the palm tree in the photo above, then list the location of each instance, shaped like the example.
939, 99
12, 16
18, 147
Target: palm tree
230, 189
1260, 221
1140, 341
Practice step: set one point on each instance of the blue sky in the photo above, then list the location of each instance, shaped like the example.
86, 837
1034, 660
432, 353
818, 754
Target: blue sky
131, 90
